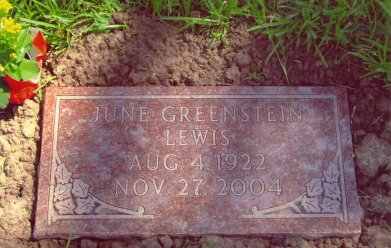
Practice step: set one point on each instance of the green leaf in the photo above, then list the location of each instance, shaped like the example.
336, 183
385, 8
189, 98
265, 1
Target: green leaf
4, 94
29, 70
23, 43
386, 7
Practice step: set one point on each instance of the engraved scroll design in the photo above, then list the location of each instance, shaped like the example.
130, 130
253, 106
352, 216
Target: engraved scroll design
72, 197
322, 198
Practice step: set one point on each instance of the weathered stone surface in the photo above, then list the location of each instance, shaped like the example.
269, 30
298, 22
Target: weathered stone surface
85, 243
166, 241
121, 162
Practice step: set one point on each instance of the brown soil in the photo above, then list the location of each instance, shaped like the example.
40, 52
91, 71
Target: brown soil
155, 53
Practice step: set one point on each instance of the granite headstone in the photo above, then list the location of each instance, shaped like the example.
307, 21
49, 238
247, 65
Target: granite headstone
134, 161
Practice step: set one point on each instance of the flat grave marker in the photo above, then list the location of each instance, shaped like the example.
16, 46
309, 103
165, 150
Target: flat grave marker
133, 161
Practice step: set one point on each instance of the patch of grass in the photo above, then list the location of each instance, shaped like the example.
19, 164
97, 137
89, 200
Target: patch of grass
169, 7
362, 27
376, 56
64, 21
215, 15
375, 49
311, 23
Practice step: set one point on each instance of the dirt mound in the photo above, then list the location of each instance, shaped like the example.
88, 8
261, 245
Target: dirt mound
18, 152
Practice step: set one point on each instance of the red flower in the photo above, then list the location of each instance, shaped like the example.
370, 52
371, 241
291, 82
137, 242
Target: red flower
20, 90
40, 44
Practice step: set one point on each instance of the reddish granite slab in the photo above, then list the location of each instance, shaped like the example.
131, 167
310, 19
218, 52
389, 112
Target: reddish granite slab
196, 160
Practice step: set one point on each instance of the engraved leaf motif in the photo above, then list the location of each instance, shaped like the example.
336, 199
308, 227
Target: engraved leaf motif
332, 190
330, 206
63, 176
65, 207
62, 192
310, 204
314, 187
80, 189
84, 206
331, 174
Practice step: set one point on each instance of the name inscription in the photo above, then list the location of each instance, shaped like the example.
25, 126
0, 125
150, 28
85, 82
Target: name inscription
197, 137
263, 113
